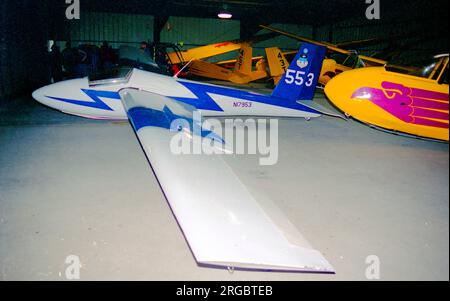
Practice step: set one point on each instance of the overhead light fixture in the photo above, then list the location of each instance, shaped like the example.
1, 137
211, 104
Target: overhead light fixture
225, 13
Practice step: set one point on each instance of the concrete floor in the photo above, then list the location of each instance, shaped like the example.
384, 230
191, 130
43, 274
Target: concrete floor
74, 186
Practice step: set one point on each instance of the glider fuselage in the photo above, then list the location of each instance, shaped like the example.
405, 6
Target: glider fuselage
101, 99
393, 101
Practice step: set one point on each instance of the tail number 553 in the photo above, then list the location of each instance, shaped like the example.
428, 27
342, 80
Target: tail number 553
293, 76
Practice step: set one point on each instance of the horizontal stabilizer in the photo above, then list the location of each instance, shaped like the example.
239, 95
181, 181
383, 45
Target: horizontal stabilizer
323, 110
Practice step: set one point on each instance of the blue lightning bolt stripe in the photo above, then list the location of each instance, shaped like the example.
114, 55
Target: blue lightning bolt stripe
95, 96
205, 102
145, 117
202, 101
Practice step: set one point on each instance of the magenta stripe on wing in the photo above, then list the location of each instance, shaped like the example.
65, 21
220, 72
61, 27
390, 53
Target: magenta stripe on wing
430, 104
430, 114
429, 94
414, 106
427, 122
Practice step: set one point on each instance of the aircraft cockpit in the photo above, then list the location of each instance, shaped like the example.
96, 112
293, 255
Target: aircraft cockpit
435, 69
129, 58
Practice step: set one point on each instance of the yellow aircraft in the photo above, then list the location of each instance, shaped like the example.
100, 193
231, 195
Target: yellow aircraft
241, 74
275, 62
415, 103
331, 67
202, 52
278, 63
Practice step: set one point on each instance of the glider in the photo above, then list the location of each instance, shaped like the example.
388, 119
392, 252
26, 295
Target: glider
392, 99
207, 51
241, 73
224, 225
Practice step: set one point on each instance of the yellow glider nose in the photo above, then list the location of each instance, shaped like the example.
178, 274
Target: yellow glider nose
337, 90
393, 101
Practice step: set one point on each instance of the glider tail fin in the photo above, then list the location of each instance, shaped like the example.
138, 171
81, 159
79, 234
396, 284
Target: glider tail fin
244, 61
300, 79
277, 63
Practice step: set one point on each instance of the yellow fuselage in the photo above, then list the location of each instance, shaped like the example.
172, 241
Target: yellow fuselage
394, 101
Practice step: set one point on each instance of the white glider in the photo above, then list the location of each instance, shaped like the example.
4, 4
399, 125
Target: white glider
224, 225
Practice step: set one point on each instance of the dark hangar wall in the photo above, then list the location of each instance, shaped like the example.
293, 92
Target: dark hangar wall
23, 36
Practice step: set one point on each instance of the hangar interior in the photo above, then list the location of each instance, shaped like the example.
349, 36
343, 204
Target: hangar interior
70, 185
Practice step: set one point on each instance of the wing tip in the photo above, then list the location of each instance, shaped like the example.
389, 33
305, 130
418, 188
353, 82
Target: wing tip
252, 267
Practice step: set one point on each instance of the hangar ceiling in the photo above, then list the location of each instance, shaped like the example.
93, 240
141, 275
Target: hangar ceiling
265, 10
317, 12
427, 16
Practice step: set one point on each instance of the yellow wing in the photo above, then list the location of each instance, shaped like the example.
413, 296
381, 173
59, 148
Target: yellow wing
330, 47
203, 52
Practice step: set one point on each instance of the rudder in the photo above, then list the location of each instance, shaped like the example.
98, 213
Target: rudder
277, 63
300, 79
244, 61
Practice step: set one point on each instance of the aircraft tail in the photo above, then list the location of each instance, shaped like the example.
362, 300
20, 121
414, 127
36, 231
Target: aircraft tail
277, 63
300, 79
244, 61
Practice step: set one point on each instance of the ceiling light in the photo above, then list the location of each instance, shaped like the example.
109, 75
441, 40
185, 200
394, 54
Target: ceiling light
225, 13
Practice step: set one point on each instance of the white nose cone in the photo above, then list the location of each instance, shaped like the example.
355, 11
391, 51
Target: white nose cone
50, 95
39, 95
76, 97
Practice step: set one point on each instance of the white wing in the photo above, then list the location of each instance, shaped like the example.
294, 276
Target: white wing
223, 223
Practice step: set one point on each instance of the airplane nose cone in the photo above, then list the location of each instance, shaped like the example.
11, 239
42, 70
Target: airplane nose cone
334, 87
340, 88
40, 95
50, 94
